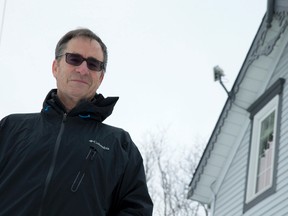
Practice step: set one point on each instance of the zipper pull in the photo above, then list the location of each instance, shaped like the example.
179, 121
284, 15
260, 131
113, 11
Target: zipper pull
92, 152
80, 175
77, 181
64, 117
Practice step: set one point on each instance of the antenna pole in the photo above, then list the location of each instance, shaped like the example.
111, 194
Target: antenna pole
2, 23
218, 74
220, 80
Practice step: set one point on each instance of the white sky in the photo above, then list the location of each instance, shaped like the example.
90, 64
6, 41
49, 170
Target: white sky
161, 56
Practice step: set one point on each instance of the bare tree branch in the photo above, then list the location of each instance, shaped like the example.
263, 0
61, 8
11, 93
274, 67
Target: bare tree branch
168, 176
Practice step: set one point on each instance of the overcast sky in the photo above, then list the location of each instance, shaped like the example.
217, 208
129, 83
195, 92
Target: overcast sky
161, 56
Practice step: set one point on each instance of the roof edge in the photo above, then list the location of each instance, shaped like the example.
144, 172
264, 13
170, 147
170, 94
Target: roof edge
251, 56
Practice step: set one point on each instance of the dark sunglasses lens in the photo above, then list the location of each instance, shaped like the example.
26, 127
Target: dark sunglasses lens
93, 64
74, 59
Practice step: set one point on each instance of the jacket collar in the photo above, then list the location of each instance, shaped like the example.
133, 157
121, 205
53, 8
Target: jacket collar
99, 108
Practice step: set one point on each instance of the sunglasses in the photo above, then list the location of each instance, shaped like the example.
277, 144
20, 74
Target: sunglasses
76, 60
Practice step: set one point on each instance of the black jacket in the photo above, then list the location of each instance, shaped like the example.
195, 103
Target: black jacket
58, 164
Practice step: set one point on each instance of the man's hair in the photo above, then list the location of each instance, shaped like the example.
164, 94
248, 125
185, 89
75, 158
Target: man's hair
81, 32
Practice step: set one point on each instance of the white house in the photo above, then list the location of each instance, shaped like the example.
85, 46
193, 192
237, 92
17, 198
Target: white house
244, 168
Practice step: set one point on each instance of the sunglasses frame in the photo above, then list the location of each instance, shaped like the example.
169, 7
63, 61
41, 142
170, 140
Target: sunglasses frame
88, 61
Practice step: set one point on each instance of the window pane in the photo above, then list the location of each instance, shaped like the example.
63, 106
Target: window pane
265, 156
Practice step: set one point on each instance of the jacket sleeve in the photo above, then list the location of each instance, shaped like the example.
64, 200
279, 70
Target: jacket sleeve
3, 138
132, 193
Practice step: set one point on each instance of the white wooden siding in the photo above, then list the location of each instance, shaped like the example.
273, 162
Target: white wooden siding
223, 167
231, 195
277, 203
229, 200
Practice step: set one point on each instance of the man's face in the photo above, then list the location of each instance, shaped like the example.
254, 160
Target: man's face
78, 82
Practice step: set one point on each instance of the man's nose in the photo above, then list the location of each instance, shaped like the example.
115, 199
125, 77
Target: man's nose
83, 68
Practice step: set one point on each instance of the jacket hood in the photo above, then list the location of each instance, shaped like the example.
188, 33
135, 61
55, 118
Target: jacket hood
99, 108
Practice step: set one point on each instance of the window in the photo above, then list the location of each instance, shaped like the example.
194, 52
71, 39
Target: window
261, 170
262, 150
266, 153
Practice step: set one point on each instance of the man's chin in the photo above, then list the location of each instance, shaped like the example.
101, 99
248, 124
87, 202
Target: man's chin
81, 96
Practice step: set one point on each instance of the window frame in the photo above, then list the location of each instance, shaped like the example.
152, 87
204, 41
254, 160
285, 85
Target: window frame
258, 119
265, 105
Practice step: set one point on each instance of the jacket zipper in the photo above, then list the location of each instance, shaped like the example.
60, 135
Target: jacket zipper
52, 165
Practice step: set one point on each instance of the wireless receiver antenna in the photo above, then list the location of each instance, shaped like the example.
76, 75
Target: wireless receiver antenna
218, 74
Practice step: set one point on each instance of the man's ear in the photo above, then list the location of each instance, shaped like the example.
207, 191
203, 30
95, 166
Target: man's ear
101, 77
55, 66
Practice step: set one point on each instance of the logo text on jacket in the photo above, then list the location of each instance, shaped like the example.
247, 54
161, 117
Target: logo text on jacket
98, 144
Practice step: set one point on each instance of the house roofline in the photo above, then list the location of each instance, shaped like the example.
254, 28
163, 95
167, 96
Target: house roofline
249, 59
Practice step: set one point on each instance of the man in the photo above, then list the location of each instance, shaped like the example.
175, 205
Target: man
64, 160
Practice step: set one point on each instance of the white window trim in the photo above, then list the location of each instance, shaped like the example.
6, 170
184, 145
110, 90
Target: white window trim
271, 106
271, 98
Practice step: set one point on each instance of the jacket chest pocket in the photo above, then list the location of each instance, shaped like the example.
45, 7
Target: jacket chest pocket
92, 154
